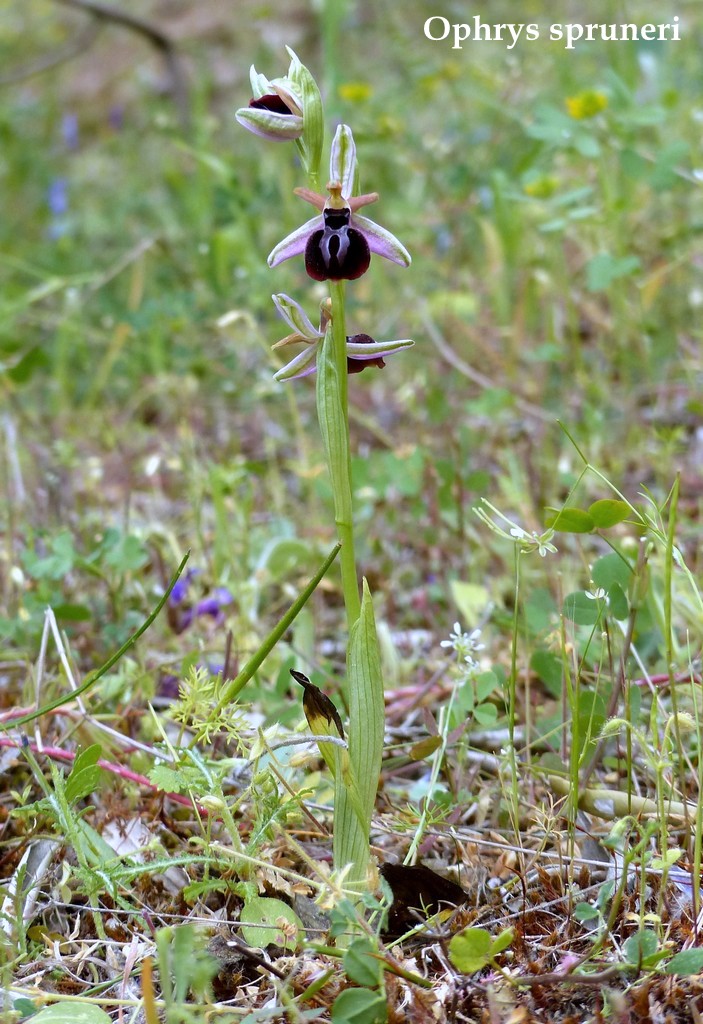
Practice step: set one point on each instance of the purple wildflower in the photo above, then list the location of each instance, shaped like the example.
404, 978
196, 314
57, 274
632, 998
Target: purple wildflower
69, 131
115, 117
182, 586
183, 612
57, 197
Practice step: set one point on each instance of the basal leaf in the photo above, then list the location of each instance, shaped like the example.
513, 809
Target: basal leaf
688, 961
264, 921
87, 758
640, 946
80, 784
470, 950
71, 1013
549, 668
502, 941
85, 775
618, 604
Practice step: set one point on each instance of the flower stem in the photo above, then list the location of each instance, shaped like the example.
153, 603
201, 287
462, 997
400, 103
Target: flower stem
343, 501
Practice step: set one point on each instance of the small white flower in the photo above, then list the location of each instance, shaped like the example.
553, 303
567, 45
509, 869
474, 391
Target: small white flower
453, 637
528, 542
597, 594
543, 543
465, 644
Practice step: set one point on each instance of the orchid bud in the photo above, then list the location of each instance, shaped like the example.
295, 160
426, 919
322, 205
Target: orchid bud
275, 112
313, 135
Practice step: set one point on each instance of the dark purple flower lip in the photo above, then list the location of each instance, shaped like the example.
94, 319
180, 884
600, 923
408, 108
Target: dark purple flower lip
275, 112
336, 251
272, 102
355, 364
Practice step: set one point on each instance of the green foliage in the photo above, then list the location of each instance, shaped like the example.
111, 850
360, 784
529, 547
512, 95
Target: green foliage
270, 922
608, 512
365, 735
359, 1006
185, 971
642, 950
85, 775
61, 571
71, 1013
596, 911
199, 692
583, 609
472, 699
590, 716
612, 570
189, 772
360, 964
549, 668
343, 916
688, 961
603, 269
601, 515
571, 520
473, 948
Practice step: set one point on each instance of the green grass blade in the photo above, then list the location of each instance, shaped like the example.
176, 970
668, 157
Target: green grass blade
238, 684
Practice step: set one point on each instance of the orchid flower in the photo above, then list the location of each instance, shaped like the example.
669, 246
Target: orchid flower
338, 242
362, 350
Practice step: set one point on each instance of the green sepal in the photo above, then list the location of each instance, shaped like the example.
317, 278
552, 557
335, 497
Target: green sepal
312, 139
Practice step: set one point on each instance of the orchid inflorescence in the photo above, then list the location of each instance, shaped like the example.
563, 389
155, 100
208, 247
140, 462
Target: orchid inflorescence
338, 242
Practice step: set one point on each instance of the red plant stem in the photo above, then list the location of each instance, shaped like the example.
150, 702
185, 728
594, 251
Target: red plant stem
663, 679
57, 754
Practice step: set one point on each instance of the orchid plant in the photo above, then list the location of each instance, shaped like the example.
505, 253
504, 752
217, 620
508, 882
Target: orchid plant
337, 245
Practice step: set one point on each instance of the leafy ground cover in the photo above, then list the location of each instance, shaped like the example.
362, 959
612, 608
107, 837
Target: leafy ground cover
529, 470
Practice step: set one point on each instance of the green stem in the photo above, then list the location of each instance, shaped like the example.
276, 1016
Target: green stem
512, 705
343, 502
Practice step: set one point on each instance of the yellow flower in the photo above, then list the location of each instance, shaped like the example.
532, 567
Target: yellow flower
355, 92
586, 104
541, 187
